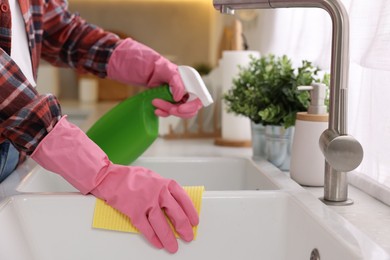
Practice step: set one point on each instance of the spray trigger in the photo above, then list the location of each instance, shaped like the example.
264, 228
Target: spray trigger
195, 86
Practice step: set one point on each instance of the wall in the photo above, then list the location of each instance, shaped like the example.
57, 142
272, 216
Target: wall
184, 31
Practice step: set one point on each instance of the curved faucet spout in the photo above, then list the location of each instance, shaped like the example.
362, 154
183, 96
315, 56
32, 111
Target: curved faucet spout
338, 147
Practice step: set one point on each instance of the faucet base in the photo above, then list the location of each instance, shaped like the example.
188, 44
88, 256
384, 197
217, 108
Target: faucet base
347, 202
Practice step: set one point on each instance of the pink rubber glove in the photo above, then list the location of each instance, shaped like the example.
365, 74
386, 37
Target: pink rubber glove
135, 191
134, 63
186, 110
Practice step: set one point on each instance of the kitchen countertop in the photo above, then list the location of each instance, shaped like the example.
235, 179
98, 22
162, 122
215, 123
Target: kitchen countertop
369, 215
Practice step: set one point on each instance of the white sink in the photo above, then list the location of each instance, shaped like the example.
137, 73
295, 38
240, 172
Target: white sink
215, 173
234, 225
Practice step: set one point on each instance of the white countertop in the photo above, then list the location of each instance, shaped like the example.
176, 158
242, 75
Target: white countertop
370, 215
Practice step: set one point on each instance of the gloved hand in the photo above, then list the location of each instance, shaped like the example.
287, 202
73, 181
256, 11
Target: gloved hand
134, 63
135, 191
184, 110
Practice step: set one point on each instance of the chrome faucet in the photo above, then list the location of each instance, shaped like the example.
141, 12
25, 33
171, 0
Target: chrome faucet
342, 152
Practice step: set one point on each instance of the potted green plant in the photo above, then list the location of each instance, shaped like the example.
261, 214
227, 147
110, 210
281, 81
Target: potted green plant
266, 92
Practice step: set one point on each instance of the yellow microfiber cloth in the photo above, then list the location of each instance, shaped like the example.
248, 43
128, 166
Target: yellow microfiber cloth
106, 217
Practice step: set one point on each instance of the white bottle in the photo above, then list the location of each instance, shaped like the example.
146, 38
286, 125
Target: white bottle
307, 161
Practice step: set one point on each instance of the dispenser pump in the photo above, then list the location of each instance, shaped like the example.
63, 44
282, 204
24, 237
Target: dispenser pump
307, 161
317, 96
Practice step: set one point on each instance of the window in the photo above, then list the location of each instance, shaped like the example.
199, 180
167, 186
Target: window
306, 34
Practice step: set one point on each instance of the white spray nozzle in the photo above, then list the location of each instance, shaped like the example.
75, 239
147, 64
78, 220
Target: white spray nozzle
194, 85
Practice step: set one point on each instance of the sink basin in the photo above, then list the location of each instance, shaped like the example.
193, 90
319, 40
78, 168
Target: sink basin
234, 225
215, 173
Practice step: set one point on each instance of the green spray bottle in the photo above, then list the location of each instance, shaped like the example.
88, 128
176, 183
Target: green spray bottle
128, 129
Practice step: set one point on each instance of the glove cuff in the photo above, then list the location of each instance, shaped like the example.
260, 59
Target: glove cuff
67, 151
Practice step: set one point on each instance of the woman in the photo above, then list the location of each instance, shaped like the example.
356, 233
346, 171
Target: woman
32, 124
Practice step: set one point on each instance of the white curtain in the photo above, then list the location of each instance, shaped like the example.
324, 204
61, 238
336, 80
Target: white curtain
306, 34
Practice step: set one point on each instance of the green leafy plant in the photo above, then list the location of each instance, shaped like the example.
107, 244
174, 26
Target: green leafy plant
266, 90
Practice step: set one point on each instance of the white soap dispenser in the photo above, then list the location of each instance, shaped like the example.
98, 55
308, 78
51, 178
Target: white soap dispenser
307, 161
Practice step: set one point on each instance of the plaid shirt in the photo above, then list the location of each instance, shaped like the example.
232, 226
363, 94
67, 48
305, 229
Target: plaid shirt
61, 38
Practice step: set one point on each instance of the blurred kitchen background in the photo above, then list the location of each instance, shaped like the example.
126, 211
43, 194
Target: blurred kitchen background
191, 32
185, 31
188, 32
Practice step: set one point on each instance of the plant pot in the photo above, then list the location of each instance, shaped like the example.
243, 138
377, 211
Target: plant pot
258, 141
278, 145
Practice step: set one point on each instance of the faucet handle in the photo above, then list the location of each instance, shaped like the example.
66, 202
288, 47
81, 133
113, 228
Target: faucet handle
343, 152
